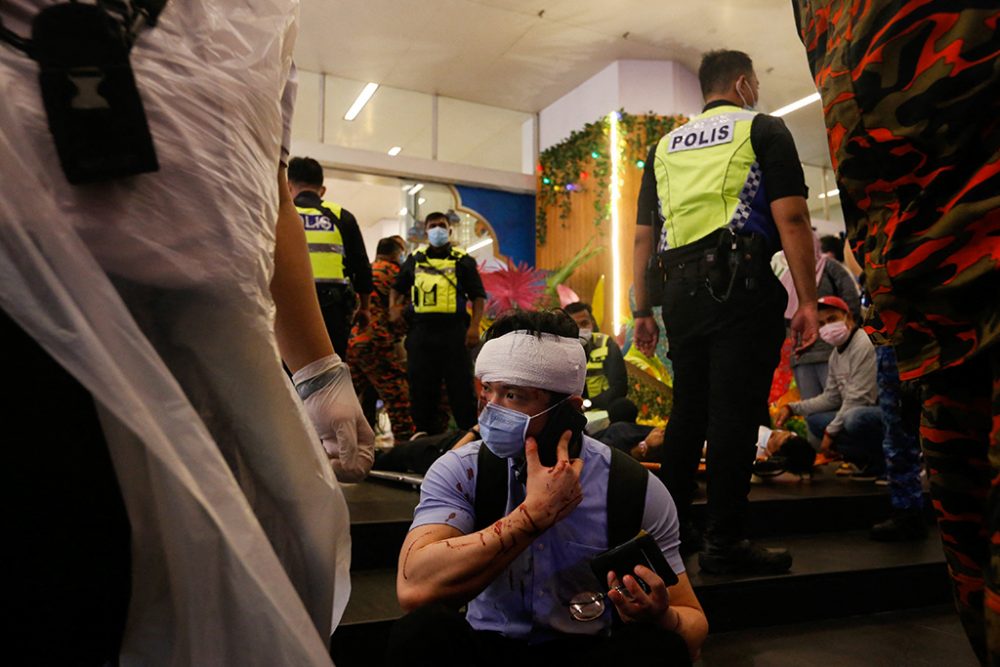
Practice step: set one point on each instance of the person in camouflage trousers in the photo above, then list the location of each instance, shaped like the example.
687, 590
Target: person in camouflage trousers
372, 352
911, 96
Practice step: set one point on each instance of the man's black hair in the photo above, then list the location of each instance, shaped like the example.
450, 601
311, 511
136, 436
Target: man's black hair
389, 245
533, 321
437, 215
305, 171
578, 307
834, 245
720, 69
798, 454
536, 322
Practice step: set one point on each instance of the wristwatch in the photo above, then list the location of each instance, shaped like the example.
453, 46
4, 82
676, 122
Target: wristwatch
644, 312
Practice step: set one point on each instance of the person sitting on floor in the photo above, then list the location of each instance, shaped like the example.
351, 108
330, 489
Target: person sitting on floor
846, 415
607, 378
508, 526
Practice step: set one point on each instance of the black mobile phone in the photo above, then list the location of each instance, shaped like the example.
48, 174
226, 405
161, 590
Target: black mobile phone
93, 106
565, 417
640, 550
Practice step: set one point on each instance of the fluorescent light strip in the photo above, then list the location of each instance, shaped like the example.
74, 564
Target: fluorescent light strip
796, 105
395, 150
478, 245
616, 261
831, 193
362, 99
415, 189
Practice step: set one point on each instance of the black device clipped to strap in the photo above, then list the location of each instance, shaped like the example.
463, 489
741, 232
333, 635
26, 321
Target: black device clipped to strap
93, 106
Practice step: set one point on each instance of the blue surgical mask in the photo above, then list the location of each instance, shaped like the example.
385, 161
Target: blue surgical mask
504, 430
437, 236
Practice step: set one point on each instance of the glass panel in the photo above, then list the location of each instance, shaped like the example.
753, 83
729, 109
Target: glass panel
376, 202
824, 204
483, 136
468, 231
392, 117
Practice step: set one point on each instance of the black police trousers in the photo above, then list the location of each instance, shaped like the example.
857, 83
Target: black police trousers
436, 354
723, 356
337, 303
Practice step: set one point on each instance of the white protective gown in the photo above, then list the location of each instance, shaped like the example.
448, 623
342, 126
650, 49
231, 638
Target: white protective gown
153, 292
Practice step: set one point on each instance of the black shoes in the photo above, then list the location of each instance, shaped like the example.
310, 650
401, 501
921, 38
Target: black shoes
744, 557
902, 526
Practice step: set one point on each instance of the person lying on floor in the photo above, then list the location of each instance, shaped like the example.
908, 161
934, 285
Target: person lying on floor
509, 526
417, 454
637, 440
781, 451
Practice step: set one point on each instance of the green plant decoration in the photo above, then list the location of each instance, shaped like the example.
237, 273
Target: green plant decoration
562, 274
582, 163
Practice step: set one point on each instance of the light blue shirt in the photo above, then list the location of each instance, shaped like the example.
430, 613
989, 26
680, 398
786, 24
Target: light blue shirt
529, 600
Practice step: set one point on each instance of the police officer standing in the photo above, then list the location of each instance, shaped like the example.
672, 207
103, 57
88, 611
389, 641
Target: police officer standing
337, 252
441, 279
719, 196
607, 378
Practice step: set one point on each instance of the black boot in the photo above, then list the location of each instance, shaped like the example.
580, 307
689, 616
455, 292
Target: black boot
743, 557
902, 526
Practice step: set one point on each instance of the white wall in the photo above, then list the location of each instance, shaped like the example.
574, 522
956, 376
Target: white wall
664, 87
595, 97
637, 86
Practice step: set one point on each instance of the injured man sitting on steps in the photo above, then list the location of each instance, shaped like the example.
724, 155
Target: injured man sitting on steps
514, 526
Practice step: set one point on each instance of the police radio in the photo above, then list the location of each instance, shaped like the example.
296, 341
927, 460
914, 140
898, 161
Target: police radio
94, 110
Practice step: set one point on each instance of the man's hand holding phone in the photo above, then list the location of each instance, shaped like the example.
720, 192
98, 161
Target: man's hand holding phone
552, 493
639, 606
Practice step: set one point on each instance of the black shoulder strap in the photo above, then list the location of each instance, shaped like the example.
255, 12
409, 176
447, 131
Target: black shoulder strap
491, 487
627, 481
626, 497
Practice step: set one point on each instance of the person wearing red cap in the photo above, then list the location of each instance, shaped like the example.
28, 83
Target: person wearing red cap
846, 415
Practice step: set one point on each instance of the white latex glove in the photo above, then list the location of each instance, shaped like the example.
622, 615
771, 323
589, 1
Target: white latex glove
328, 395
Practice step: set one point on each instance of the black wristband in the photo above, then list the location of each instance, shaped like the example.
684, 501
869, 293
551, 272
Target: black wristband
645, 312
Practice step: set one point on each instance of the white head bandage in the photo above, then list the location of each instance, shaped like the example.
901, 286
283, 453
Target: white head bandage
522, 358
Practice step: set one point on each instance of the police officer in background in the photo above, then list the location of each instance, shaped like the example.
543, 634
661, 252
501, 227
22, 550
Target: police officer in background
441, 279
607, 378
720, 195
340, 264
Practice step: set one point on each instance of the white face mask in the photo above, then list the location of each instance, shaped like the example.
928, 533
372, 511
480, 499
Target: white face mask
746, 105
835, 333
585, 335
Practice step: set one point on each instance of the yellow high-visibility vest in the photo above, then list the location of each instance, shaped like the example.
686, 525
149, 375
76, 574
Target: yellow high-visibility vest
435, 282
326, 244
707, 178
597, 381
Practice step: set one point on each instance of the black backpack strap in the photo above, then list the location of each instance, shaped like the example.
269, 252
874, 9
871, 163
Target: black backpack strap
627, 482
491, 488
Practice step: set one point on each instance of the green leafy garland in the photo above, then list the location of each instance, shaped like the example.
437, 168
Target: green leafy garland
563, 168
